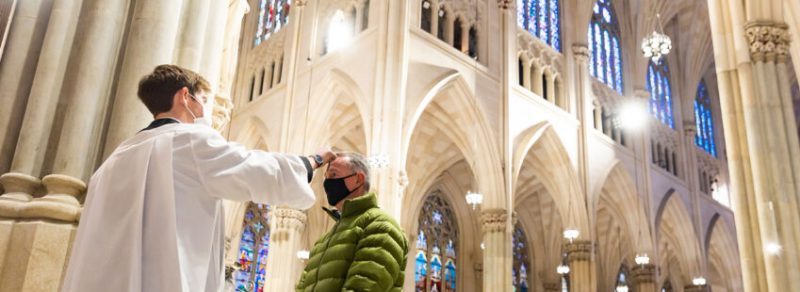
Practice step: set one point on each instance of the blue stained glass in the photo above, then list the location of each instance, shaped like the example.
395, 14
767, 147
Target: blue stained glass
435, 271
608, 60
272, 16
605, 46
253, 250
591, 51
660, 93
617, 65
542, 19
520, 260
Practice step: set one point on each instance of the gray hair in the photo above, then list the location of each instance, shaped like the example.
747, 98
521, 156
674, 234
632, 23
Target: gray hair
357, 163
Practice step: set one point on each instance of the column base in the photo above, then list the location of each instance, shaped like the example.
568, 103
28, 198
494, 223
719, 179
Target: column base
19, 189
61, 202
36, 256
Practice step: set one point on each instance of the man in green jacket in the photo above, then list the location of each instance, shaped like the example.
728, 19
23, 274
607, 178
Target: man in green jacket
366, 249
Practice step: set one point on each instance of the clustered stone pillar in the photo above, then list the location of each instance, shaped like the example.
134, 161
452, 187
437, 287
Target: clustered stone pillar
579, 256
644, 278
284, 266
497, 252
751, 43
48, 38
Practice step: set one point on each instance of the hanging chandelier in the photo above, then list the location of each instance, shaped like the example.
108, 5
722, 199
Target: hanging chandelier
657, 44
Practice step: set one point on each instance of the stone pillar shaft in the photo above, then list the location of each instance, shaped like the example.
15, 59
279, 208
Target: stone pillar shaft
286, 233
150, 42
25, 39
496, 255
579, 255
100, 34
41, 107
194, 30
644, 278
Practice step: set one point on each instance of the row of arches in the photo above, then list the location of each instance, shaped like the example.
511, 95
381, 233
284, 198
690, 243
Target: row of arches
448, 149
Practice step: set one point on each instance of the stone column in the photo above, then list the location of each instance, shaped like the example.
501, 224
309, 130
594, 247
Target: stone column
773, 168
99, 34
496, 255
25, 39
644, 278
285, 241
579, 255
194, 30
32, 143
150, 42
526, 76
551, 88
537, 84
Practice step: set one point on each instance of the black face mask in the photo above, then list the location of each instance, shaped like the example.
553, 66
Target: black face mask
336, 189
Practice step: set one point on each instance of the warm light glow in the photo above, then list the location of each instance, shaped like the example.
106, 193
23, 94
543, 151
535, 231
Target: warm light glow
340, 32
562, 269
642, 259
699, 281
303, 254
773, 248
622, 288
632, 116
571, 234
474, 199
482, 246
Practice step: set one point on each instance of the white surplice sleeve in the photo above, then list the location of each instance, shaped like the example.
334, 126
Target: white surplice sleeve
230, 171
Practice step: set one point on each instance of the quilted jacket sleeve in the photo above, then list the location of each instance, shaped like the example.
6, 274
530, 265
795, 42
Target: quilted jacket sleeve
380, 259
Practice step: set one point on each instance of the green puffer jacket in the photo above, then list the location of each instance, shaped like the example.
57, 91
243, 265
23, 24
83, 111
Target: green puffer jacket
365, 251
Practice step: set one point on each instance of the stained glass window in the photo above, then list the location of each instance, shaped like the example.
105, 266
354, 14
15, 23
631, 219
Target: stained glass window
272, 16
253, 249
542, 19
519, 272
437, 247
605, 59
660, 93
704, 137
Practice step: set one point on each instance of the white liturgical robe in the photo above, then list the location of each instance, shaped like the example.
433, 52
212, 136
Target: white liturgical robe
153, 217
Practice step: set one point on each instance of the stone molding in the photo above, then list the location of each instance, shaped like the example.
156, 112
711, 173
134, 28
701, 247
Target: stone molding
494, 220
221, 114
581, 53
768, 40
578, 250
289, 219
644, 273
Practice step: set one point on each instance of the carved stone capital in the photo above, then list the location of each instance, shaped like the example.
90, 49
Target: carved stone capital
581, 53
505, 4
644, 273
494, 220
768, 40
300, 3
579, 250
641, 93
292, 219
221, 114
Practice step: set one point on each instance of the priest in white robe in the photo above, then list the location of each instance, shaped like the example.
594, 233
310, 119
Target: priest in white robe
153, 216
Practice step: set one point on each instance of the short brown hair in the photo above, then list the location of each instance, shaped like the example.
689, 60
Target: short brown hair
157, 88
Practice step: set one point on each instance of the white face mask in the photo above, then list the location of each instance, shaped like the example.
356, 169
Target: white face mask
201, 120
